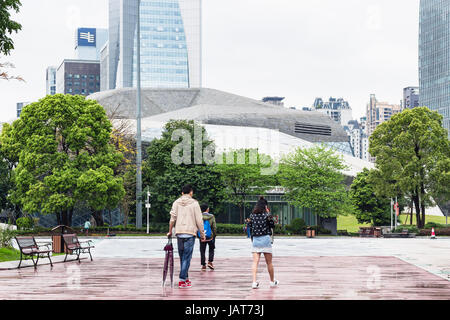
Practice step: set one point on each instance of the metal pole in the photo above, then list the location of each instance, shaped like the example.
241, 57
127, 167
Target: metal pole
147, 204
392, 222
138, 116
396, 217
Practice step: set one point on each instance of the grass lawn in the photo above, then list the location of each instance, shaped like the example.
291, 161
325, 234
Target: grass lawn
349, 223
435, 219
11, 254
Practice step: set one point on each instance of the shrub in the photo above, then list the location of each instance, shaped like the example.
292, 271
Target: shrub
411, 229
279, 229
6, 235
25, 223
297, 226
435, 225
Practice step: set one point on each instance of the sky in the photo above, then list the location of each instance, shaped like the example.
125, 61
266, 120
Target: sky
298, 49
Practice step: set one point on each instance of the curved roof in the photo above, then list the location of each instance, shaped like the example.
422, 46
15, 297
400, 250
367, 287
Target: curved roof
216, 107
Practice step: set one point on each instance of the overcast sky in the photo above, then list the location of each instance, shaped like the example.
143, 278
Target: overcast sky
298, 49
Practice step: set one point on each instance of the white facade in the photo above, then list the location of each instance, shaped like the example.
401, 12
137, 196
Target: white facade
51, 80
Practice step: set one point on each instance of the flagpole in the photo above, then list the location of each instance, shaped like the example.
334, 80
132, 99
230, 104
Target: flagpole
138, 129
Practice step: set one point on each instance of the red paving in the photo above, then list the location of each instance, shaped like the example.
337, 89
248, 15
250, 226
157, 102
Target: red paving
301, 278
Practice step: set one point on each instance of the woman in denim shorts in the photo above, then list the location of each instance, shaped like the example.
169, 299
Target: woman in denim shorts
261, 224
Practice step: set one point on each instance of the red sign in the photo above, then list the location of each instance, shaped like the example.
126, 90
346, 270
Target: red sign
276, 219
397, 209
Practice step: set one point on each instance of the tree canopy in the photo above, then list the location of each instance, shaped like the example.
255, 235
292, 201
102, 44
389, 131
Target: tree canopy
412, 153
7, 25
171, 164
61, 147
313, 178
242, 174
370, 208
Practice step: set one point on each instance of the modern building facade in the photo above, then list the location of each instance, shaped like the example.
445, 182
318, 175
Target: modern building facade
411, 98
434, 57
235, 122
338, 110
78, 77
171, 44
50, 80
358, 139
20, 106
89, 42
379, 112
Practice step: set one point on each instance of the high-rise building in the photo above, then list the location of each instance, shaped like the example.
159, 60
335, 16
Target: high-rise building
434, 52
89, 42
171, 44
20, 106
358, 139
411, 98
337, 109
51, 80
379, 112
78, 77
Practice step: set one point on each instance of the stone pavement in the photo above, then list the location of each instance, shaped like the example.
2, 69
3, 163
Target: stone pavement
301, 278
321, 268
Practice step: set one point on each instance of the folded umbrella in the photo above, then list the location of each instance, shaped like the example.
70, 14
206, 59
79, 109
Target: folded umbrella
168, 262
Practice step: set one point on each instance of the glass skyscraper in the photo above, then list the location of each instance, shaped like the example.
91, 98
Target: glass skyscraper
434, 57
171, 46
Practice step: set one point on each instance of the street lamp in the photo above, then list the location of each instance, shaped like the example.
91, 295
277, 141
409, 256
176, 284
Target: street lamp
138, 120
148, 206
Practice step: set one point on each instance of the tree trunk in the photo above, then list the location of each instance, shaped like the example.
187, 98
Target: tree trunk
70, 216
241, 214
417, 206
423, 207
411, 220
58, 218
98, 218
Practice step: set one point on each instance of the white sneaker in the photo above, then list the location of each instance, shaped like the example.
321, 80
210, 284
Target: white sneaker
274, 284
255, 285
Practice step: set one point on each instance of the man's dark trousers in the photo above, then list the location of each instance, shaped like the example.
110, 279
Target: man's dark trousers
212, 246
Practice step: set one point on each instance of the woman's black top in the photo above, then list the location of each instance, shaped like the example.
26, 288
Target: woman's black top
261, 225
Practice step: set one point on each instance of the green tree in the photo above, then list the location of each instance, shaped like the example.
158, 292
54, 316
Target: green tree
370, 208
7, 27
313, 179
61, 147
165, 176
242, 173
412, 153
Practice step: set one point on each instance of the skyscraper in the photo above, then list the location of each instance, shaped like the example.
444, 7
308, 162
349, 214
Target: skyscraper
434, 57
411, 97
51, 80
337, 109
171, 44
89, 42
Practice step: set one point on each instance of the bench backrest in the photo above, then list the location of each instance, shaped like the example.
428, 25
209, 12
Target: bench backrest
26, 242
71, 241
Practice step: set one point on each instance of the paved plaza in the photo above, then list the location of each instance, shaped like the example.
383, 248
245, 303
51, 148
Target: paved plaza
323, 268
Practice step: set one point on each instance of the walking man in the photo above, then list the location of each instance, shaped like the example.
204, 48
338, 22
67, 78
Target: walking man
186, 217
209, 224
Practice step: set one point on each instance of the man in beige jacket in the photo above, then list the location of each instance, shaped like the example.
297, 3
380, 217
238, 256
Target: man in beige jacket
186, 217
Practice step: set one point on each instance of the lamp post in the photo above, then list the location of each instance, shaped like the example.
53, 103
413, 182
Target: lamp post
138, 120
148, 206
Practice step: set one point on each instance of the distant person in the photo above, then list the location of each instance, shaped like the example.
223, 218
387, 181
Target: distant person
247, 228
209, 225
87, 225
186, 217
261, 224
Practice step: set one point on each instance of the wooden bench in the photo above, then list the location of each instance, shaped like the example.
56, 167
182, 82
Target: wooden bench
29, 247
76, 247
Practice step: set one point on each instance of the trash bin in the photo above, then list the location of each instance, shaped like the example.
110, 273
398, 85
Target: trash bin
57, 238
310, 232
377, 232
